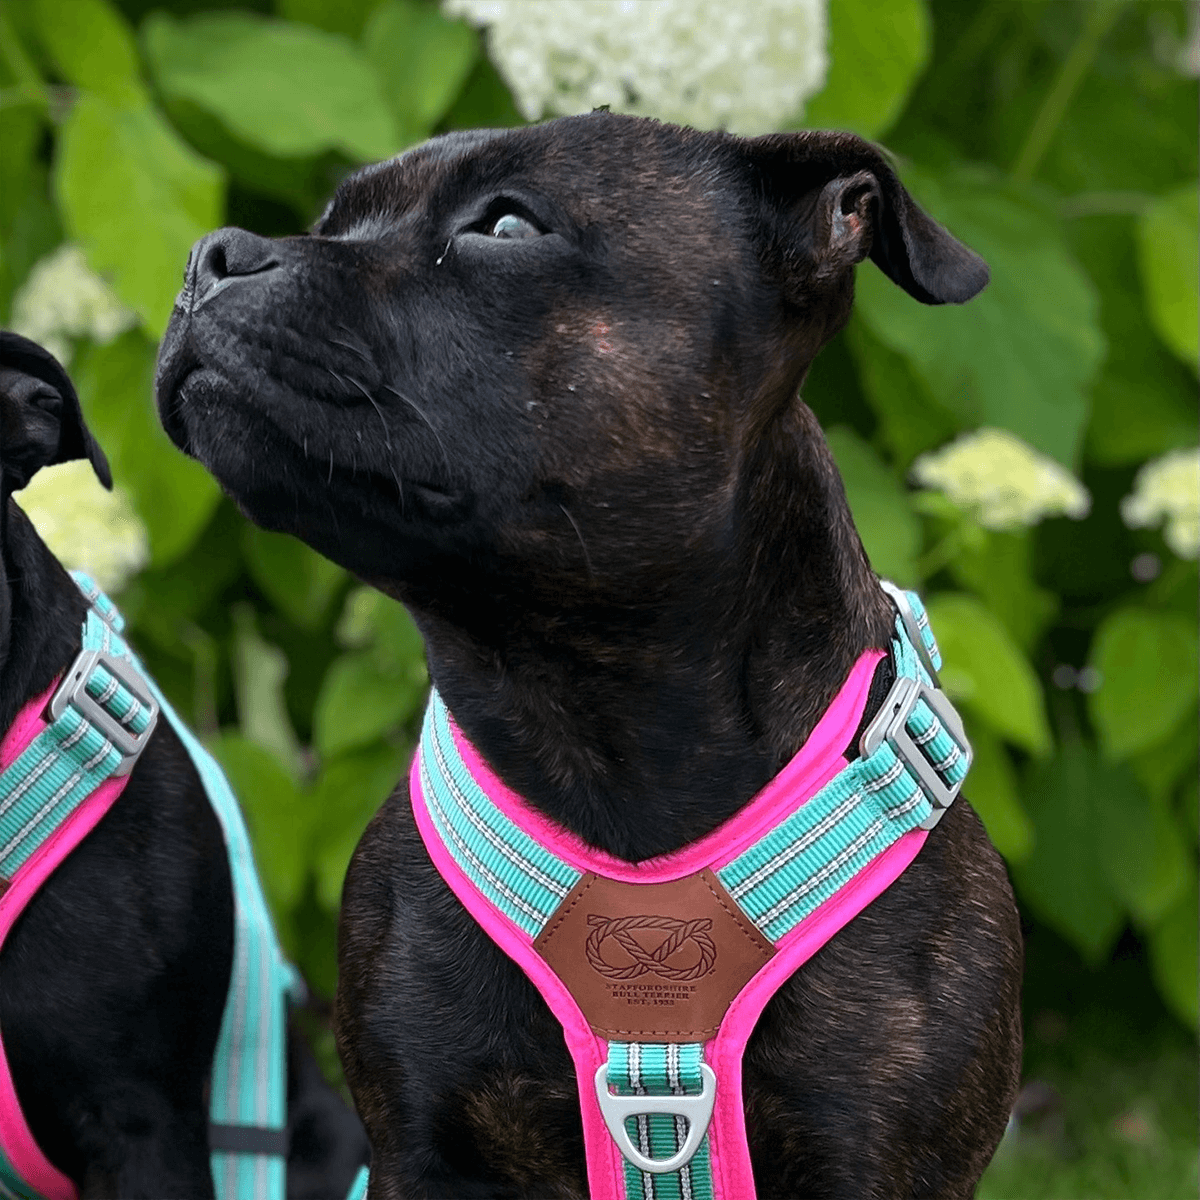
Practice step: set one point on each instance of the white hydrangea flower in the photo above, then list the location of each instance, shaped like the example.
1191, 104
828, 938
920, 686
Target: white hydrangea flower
1168, 489
708, 63
1003, 480
64, 299
86, 527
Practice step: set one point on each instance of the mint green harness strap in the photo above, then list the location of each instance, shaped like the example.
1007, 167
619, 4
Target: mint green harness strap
248, 1104
657, 1069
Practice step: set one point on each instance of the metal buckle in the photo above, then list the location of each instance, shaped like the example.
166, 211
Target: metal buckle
72, 691
696, 1110
909, 620
890, 725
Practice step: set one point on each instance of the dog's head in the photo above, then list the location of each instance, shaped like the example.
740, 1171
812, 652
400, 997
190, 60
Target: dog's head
553, 352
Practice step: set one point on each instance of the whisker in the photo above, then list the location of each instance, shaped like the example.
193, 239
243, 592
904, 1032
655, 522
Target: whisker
432, 429
587, 558
351, 347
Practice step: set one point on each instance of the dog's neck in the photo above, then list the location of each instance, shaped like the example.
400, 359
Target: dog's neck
643, 728
41, 614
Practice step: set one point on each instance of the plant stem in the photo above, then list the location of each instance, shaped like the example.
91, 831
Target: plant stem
1100, 18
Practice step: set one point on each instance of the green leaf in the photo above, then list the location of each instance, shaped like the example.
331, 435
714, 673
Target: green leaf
290, 90
93, 49
370, 618
299, 581
1021, 354
334, 16
1147, 663
260, 671
173, 495
1173, 955
29, 225
422, 59
1063, 881
877, 50
304, 184
909, 419
987, 671
1168, 250
137, 198
361, 701
1143, 402
1139, 845
278, 815
992, 790
484, 102
348, 793
890, 531
997, 569
1165, 765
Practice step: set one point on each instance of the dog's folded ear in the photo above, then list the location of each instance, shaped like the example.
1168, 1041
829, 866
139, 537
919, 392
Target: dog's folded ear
836, 200
41, 422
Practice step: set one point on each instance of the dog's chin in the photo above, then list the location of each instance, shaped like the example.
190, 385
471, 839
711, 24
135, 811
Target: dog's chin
303, 489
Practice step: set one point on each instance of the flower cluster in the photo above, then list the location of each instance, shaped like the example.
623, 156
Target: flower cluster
86, 527
1167, 489
1004, 481
708, 63
63, 299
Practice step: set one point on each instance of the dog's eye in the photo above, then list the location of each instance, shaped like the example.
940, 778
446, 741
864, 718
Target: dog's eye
509, 225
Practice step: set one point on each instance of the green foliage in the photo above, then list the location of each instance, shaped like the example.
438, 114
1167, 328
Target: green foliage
1063, 880
1057, 139
986, 671
284, 88
1022, 354
123, 178
890, 530
423, 60
174, 495
93, 50
1169, 251
877, 50
1147, 663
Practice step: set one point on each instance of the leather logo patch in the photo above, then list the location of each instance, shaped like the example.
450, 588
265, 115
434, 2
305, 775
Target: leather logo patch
668, 958
653, 962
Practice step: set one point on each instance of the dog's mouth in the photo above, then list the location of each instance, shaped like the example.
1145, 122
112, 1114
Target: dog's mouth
245, 446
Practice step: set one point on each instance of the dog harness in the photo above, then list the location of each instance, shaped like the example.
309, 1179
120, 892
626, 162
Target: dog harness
658, 970
63, 764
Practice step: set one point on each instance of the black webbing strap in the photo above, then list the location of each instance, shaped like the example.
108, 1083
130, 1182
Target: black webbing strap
247, 1139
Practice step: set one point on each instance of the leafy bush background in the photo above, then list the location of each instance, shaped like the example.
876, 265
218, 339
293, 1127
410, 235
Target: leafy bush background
1058, 139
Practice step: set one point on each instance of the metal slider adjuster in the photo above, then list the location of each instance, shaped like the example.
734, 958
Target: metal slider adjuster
891, 725
73, 691
697, 1110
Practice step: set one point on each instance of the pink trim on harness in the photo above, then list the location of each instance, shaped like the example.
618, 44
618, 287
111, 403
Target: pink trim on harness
818, 761
20, 1148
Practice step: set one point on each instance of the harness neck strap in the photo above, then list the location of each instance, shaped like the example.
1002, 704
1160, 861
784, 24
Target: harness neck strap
659, 970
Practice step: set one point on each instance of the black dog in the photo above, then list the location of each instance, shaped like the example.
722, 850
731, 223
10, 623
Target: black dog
541, 385
113, 980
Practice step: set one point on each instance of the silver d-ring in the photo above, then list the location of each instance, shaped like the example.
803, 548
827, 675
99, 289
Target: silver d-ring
696, 1110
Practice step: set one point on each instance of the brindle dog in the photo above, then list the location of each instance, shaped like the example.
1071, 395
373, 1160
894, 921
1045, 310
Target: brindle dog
113, 979
541, 385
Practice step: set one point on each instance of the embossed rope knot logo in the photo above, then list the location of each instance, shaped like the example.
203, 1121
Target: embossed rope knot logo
686, 952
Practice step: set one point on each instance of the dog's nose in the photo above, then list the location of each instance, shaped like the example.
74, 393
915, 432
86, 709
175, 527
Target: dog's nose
224, 257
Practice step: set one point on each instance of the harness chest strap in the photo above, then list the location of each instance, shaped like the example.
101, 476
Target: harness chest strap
658, 971
63, 764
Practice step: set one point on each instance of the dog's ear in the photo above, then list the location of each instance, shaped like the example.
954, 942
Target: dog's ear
40, 419
836, 200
